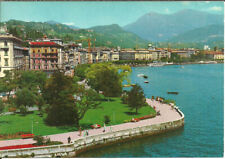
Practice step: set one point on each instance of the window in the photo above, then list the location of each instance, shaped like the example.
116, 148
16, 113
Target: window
6, 62
33, 51
46, 50
52, 50
5, 43
6, 53
38, 50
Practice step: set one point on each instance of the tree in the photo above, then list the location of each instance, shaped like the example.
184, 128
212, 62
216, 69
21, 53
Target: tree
80, 71
136, 98
59, 94
25, 97
107, 78
85, 99
32, 80
9, 82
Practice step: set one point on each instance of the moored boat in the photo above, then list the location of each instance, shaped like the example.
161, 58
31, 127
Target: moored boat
172, 93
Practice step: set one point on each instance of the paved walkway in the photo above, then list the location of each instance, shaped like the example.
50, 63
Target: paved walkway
167, 114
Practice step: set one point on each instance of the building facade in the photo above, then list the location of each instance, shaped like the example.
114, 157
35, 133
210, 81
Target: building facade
45, 56
11, 53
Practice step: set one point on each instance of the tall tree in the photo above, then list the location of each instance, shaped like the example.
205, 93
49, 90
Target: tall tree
85, 99
136, 98
107, 78
59, 93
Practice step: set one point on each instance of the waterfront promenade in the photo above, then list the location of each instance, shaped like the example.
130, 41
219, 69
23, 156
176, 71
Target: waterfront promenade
167, 114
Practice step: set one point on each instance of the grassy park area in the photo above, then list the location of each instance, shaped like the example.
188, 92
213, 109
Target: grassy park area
117, 112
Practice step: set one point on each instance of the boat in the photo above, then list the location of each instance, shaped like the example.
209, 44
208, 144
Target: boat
172, 92
145, 76
146, 82
140, 75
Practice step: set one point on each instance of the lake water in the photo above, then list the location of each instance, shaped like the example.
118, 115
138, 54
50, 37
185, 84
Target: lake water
200, 98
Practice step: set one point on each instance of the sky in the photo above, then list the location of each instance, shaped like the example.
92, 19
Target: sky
88, 14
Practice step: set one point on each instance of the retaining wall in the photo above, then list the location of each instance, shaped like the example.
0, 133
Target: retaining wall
90, 142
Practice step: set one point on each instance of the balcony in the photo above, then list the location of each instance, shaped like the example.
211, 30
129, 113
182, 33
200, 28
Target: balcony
5, 47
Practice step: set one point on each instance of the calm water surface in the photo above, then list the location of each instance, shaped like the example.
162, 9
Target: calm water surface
200, 98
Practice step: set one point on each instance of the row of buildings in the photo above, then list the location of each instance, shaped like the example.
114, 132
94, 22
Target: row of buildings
50, 54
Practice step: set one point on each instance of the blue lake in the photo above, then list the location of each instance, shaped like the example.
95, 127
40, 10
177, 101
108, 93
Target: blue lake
200, 98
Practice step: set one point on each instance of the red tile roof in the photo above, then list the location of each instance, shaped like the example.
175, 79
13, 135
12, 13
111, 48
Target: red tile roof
44, 43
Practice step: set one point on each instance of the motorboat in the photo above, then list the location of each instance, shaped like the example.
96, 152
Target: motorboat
140, 75
146, 82
172, 93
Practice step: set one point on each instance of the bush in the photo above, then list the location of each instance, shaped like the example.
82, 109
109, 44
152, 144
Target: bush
32, 154
23, 110
107, 119
39, 140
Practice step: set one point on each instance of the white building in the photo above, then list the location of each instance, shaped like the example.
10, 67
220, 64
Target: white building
11, 52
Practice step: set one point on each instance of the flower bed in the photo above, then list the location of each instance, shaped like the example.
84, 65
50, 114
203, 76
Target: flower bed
147, 117
17, 147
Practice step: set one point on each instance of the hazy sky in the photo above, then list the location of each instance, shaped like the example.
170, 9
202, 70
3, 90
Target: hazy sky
87, 14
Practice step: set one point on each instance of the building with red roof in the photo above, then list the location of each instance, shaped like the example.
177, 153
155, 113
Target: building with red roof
45, 56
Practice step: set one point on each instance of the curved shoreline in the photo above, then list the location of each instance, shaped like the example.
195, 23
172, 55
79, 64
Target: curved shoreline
170, 119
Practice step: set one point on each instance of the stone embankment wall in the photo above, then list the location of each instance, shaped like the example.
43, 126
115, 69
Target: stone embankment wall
91, 142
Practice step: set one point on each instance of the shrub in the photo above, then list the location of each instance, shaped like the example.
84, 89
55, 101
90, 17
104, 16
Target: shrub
39, 140
106, 119
23, 110
32, 154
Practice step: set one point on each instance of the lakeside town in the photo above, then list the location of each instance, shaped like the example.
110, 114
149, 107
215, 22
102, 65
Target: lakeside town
50, 54
131, 79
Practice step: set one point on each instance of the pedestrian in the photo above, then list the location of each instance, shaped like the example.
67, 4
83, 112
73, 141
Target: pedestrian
104, 128
69, 139
80, 131
87, 132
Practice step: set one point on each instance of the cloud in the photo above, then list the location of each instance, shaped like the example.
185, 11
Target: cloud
216, 8
69, 23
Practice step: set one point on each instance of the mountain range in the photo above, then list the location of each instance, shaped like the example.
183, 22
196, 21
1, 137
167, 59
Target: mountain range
163, 27
187, 28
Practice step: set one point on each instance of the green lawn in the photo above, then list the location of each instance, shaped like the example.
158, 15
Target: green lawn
117, 112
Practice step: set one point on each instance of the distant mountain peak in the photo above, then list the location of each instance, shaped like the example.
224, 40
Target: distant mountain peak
52, 22
150, 25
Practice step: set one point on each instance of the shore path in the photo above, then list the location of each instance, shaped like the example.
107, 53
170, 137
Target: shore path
167, 114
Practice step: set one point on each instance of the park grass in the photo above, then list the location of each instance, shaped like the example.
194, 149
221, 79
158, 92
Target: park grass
118, 112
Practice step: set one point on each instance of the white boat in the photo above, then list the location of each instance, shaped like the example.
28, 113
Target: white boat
140, 75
